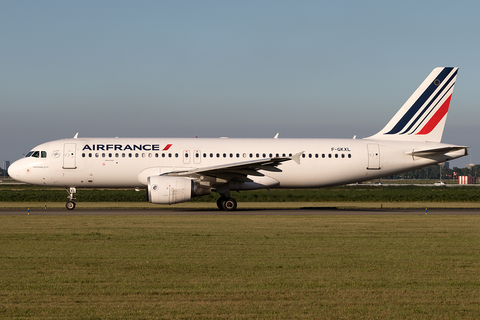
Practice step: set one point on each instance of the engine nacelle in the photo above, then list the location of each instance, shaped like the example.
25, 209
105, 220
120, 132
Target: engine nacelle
169, 190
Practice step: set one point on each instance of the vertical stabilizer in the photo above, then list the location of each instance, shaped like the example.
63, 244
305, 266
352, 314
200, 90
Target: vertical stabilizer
424, 114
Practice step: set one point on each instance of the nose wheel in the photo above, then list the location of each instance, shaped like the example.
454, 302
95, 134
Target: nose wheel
70, 205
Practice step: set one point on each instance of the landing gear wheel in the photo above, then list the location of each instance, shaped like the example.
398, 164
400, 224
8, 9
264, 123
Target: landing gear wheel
229, 204
70, 205
220, 202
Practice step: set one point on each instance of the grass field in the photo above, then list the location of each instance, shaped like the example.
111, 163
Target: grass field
239, 267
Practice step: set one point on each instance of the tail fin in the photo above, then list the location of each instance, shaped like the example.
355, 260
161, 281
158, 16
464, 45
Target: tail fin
424, 114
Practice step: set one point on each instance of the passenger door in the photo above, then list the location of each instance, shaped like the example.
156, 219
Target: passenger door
69, 161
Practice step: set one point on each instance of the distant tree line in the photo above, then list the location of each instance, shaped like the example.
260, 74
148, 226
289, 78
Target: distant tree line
433, 172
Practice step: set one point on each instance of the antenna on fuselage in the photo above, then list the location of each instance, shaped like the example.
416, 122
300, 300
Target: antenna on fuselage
76, 136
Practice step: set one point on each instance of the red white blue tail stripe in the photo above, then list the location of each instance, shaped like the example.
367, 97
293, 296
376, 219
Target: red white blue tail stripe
423, 115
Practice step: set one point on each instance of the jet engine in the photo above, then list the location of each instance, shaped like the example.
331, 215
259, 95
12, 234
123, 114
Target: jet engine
169, 190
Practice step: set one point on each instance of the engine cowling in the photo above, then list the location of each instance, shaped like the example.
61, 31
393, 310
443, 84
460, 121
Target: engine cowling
169, 190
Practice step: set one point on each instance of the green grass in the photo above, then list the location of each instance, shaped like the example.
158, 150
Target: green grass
239, 267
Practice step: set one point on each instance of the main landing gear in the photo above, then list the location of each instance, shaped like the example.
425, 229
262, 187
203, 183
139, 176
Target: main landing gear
70, 205
226, 204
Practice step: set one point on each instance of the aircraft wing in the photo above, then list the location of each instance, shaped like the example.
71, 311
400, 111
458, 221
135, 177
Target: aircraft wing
238, 170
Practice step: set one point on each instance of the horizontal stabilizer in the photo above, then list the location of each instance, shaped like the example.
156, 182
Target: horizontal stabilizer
437, 151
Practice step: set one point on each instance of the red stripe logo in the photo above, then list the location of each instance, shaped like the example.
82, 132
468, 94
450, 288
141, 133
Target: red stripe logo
167, 147
432, 123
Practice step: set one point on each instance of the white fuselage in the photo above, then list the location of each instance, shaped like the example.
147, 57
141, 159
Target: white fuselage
128, 162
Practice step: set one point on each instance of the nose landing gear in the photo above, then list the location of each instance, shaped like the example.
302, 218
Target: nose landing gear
70, 205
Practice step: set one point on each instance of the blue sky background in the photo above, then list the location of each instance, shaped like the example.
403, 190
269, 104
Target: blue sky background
316, 69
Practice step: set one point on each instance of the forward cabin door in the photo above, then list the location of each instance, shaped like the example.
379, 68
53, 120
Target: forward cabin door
69, 161
373, 156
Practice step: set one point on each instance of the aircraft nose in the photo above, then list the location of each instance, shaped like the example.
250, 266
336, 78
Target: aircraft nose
14, 171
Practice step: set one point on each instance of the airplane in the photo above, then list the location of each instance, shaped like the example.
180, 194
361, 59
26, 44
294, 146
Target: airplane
174, 170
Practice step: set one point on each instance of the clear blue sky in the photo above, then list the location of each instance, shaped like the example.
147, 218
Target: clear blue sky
319, 69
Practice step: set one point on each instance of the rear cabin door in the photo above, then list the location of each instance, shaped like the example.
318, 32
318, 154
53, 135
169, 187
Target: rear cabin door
69, 161
373, 156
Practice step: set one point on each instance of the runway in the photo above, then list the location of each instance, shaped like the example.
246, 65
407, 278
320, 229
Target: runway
306, 211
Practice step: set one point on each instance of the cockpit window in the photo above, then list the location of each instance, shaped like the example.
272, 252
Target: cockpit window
37, 154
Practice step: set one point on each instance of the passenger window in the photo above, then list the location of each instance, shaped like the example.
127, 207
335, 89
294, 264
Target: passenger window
83, 155
343, 155
336, 155
89, 155
303, 155
96, 155
349, 155
251, 155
